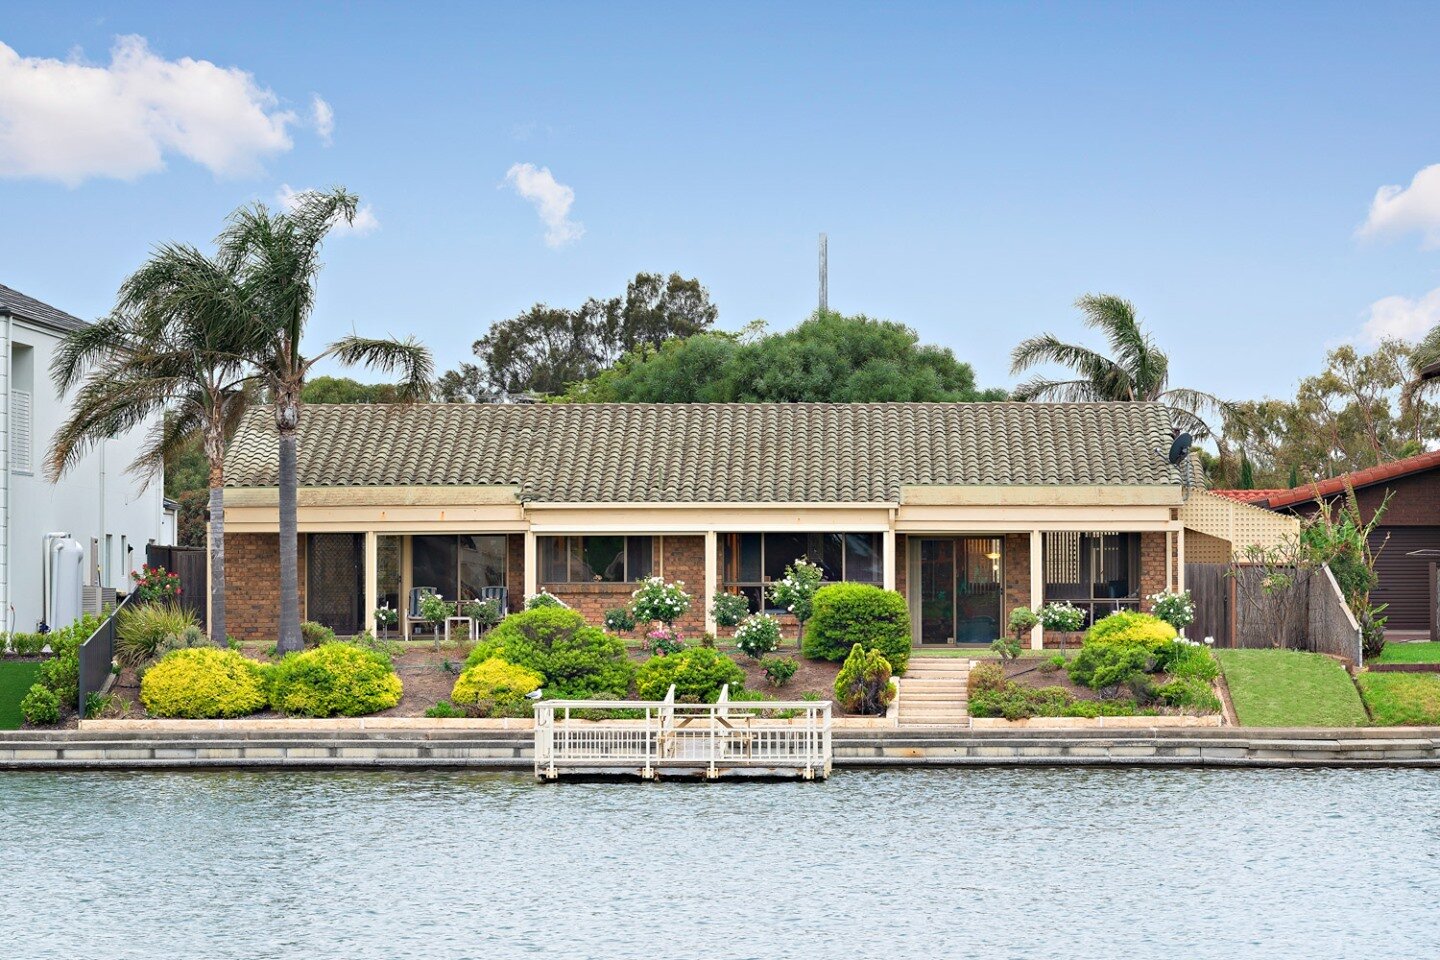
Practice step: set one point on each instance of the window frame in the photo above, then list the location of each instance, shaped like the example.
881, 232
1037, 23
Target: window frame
452, 590
747, 587
1091, 545
574, 548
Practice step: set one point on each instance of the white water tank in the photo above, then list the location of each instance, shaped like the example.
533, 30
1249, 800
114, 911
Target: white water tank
65, 581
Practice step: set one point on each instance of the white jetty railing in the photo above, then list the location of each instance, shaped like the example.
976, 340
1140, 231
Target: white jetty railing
690, 739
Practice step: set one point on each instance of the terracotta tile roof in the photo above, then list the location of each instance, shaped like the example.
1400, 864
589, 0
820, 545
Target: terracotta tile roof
1359, 478
1249, 496
696, 453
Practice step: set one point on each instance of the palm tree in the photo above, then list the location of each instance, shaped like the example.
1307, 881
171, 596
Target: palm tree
175, 346
1136, 369
277, 255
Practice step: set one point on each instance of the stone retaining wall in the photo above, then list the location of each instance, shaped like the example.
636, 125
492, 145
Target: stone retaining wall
438, 746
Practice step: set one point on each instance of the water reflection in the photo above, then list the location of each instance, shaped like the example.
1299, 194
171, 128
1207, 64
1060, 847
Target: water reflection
990, 863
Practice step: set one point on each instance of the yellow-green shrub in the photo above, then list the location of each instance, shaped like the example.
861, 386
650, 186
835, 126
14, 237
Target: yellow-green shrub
495, 688
336, 678
1131, 626
201, 683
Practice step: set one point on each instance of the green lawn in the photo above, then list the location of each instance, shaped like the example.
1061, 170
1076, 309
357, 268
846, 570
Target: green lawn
1287, 688
16, 676
1409, 653
1402, 699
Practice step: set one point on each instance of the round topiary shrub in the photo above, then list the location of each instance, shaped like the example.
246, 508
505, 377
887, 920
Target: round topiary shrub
697, 673
577, 661
203, 683
844, 614
1131, 626
40, 707
495, 688
334, 679
863, 683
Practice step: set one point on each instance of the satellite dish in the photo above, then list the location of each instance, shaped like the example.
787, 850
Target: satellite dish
1180, 449
1179, 458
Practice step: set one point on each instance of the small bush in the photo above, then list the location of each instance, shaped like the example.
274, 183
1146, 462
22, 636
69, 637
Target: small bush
1007, 647
779, 670
578, 661
336, 678
495, 688
543, 599
986, 677
863, 683
1131, 626
203, 683
61, 673
1014, 701
619, 619
314, 634
1053, 664
485, 613
697, 673
730, 608
1108, 666
663, 641
1187, 660
1189, 693
388, 648
444, 710
1022, 621
844, 614
757, 635
40, 707
27, 644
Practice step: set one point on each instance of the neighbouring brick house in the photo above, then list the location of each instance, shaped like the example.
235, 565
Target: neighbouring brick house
968, 509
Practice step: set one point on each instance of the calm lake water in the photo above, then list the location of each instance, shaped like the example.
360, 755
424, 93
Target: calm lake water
950, 863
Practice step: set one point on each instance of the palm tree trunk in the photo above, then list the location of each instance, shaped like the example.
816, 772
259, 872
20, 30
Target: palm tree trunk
287, 417
217, 564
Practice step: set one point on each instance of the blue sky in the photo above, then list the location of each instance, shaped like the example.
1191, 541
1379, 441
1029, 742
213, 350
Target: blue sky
975, 166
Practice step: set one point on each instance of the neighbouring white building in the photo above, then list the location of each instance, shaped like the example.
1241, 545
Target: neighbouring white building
109, 511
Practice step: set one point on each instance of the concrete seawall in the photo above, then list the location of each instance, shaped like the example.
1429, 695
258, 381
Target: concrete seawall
503, 749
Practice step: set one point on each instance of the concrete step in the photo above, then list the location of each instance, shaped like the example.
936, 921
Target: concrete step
932, 698
938, 683
953, 675
960, 721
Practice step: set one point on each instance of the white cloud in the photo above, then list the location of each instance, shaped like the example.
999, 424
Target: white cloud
323, 116
1401, 318
1415, 208
365, 220
552, 201
70, 121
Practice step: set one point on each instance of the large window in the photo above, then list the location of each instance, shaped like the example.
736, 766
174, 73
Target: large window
595, 559
1098, 572
751, 560
458, 567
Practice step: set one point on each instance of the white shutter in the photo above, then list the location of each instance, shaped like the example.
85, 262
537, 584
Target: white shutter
21, 431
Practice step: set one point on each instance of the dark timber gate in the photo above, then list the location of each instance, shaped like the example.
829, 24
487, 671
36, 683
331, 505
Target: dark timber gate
194, 569
1213, 591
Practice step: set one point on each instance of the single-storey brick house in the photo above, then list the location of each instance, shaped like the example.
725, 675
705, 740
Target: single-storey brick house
968, 509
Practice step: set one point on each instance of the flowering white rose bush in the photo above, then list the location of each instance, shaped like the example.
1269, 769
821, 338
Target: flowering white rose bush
1062, 616
1176, 609
796, 590
654, 600
757, 635
544, 599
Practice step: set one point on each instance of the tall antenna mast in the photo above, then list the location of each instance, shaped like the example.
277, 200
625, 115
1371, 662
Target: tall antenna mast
824, 275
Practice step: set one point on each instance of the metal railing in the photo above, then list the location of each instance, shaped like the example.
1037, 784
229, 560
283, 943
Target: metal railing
768, 738
97, 655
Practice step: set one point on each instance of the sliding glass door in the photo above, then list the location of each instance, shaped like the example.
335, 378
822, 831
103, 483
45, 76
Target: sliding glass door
960, 589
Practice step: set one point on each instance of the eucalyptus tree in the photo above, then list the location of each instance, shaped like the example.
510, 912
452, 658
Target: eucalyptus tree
174, 353
1135, 369
276, 255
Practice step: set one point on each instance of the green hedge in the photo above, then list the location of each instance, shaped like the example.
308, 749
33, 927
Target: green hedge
334, 679
578, 661
203, 683
495, 688
1131, 626
844, 614
697, 673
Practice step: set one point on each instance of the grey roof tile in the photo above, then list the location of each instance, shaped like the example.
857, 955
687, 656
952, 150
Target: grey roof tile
31, 309
736, 453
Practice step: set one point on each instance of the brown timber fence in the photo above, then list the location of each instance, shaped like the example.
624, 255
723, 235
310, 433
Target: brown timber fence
193, 567
1232, 605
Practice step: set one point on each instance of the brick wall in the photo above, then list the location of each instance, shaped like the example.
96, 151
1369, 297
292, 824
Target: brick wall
252, 585
1152, 565
680, 558
515, 571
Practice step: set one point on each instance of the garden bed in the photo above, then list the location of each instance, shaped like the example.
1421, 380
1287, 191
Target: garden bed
429, 675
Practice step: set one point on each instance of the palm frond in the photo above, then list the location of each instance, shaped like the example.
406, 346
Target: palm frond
407, 356
1042, 389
